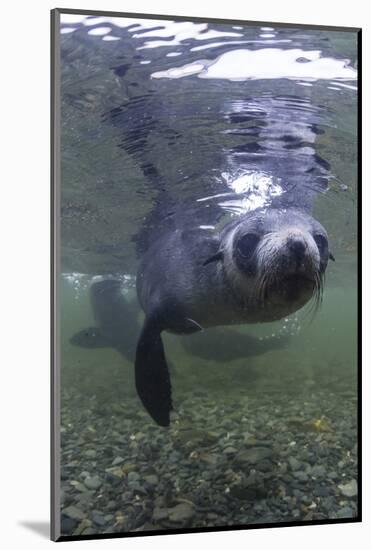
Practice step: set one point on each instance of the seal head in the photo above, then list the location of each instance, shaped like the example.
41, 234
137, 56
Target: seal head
275, 259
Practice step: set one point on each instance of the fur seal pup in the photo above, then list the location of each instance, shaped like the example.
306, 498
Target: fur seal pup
262, 267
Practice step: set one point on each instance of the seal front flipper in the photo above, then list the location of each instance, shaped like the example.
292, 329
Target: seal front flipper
152, 378
90, 337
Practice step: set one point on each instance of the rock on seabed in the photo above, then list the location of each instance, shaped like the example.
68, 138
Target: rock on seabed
181, 512
349, 489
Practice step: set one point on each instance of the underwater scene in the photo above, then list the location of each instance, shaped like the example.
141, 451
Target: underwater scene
208, 275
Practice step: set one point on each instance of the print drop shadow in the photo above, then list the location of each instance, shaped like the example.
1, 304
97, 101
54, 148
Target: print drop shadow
41, 528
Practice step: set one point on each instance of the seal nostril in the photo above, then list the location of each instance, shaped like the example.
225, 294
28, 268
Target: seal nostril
297, 247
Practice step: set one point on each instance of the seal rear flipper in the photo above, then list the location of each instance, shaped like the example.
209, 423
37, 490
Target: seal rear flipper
152, 374
90, 337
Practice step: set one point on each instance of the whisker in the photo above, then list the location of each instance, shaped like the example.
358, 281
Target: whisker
316, 299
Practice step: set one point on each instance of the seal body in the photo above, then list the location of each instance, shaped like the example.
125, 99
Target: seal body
259, 268
177, 271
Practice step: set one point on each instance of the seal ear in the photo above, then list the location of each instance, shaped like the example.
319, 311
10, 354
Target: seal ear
330, 255
215, 258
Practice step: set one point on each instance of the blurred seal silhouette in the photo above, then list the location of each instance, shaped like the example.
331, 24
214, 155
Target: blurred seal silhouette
118, 326
262, 267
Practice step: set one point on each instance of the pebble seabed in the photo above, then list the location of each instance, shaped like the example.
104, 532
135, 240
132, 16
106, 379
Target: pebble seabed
232, 461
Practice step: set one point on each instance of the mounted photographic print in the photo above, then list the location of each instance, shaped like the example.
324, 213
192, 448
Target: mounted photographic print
205, 274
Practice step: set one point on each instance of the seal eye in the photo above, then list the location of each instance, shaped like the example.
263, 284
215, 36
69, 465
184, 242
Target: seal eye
246, 245
321, 243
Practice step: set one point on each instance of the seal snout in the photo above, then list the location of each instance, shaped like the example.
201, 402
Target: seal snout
298, 255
